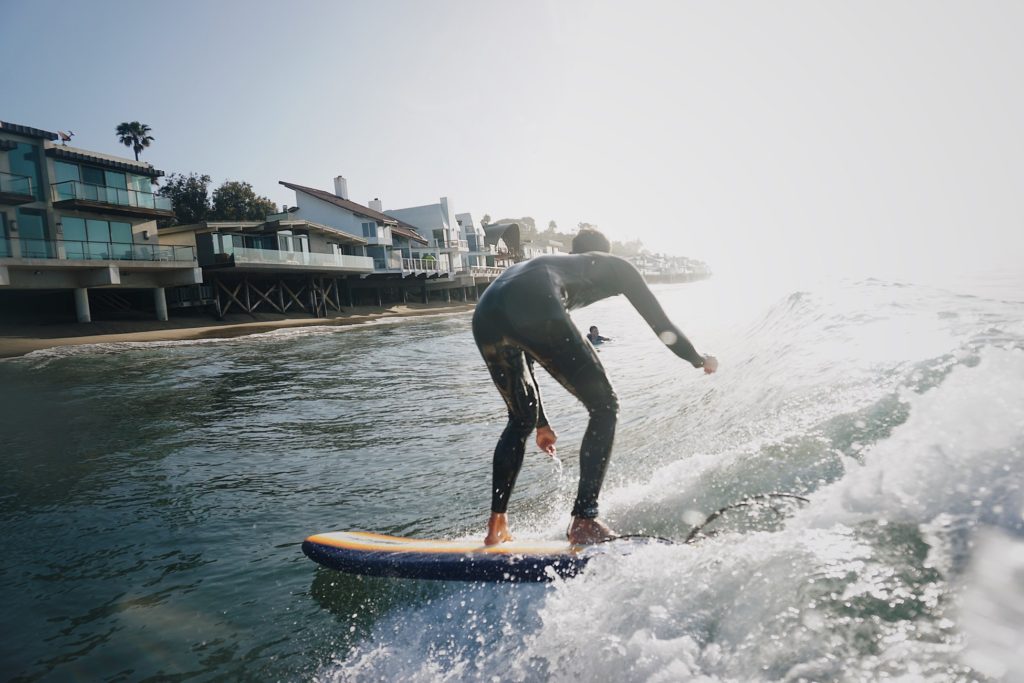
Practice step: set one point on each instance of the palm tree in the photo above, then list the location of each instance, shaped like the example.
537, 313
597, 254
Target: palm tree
135, 135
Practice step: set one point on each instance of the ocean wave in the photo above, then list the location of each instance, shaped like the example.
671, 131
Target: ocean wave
860, 584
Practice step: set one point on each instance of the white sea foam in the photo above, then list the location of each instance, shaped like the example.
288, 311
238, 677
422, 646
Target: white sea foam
992, 606
857, 586
958, 453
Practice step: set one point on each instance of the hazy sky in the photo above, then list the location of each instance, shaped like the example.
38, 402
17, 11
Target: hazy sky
809, 136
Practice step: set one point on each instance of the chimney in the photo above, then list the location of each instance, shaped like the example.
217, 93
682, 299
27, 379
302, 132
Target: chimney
376, 204
341, 187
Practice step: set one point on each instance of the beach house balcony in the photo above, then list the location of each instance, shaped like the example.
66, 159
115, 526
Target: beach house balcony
16, 189
83, 250
80, 265
451, 245
382, 238
119, 201
430, 267
249, 258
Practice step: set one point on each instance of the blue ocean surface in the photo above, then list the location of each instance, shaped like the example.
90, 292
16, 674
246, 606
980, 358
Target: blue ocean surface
155, 497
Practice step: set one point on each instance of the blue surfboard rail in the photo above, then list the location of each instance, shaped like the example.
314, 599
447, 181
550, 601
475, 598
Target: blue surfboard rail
446, 566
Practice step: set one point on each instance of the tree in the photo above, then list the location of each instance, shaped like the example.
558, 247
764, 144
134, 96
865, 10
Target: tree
552, 226
135, 135
237, 201
486, 220
189, 197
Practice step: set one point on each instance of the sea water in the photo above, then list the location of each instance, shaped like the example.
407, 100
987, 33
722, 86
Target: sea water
154, 498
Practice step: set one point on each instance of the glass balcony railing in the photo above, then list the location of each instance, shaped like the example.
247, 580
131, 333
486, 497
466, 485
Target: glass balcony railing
31, 248
393, 262
5, 248
72, 189
299, 258
16, 184
74, 250
462, 245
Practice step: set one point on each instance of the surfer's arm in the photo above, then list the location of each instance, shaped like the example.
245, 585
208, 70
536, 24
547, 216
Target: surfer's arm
640, 295
546, 436
542, 419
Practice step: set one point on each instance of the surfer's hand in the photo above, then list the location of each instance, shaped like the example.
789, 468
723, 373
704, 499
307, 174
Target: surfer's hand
710, 364
546, 439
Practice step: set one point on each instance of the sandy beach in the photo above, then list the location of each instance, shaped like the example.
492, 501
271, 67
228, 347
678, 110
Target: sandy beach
17, 339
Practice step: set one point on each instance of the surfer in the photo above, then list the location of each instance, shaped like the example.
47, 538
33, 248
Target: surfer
595, 336
523, 317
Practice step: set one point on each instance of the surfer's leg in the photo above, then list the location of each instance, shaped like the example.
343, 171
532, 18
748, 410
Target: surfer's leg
591, 386
507, 366
576, 366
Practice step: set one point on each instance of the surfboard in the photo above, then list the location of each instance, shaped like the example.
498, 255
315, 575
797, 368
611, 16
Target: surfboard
369, 554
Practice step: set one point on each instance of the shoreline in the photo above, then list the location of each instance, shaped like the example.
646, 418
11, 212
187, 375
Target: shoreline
20, 339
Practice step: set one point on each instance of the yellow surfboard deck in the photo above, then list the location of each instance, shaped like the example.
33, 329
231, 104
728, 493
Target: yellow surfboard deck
361, 552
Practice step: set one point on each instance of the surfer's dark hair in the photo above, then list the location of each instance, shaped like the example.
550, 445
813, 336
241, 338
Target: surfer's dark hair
589, 239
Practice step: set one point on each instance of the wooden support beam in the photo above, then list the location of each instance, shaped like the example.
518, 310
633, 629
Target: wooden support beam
216, 299
294, 297
311, 296
265, 297
232, 295
333, 289
326, 293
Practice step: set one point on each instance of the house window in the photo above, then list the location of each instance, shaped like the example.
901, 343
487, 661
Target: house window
24, 160
66, 172
33, 234
96, 239
369, 229
93, 175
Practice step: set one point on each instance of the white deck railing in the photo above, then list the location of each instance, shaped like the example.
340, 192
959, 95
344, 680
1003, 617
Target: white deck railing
486, 270
423, 264
301, 258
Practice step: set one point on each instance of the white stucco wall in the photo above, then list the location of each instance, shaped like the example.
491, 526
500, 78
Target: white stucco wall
318, 211
430, 217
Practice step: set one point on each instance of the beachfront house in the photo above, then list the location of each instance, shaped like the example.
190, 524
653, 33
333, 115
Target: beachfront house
410, 259
281, 265
437, 224
477, 248
665, 268
339, 211
541, 247
80, 226
323, 253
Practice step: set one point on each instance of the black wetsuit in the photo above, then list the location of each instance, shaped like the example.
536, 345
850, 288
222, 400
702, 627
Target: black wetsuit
522, 317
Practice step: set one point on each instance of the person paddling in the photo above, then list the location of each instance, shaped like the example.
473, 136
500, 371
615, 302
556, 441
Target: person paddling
594, 335
522, 318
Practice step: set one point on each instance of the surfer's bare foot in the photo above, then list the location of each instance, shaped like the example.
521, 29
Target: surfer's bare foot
585, 531
497, 529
